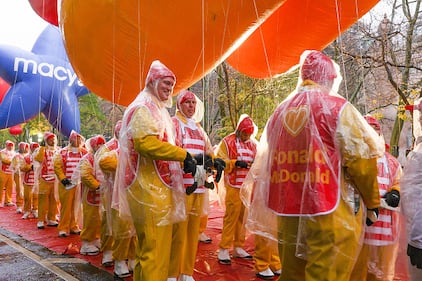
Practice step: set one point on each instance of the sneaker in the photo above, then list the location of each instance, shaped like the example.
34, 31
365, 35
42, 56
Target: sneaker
184, 277
63, 234
35, 213
131, 265
224, 257
107, 258
203, 238
172, 279
52, 223
240, 253
265, 275
19, 210
9, 204
88, 249
277, 272
75, 231
40, 225
120, 269
25, 215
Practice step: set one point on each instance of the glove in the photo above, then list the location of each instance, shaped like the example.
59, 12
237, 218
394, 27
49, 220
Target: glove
219, 165
191, 189
208, 162
372, 216
199, 159
415, 255
65, 181
392, 198
241, 164
209, 185
189, 165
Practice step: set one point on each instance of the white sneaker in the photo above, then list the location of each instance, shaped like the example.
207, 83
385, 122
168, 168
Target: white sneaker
52, 223
131, 263
120, 269
266, 274
224, 256
277, 272
203, 238
88, 249
35, 214
40, 224
171, 279
107, 258
240, 253
25, 215
63, 234
19, 210
184, 277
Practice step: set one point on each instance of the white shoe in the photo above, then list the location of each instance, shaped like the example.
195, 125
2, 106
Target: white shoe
88, 249
120, 269
52, 223
63, 234
107, 258
97, 243
19, 210
204, 238
266, 274
25, 215
224, 256
35, 214
40, 224
131, 263
277, 272
184, 277
171, 279
240, 253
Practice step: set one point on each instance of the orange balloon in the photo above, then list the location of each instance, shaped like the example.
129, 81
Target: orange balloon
296, 26
112, 43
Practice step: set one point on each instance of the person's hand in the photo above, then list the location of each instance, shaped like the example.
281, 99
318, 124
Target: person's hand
208, 162
241, 164
189, 165
192, 188
219, 165
415, 255
65, 181
199, 158
371, 216
392, 198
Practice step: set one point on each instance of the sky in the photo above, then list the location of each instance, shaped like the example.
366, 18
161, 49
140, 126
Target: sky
20, 25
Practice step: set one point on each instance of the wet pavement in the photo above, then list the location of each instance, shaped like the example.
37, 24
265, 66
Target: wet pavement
23, 260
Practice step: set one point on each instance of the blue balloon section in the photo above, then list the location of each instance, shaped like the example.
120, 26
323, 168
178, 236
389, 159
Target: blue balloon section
42, 81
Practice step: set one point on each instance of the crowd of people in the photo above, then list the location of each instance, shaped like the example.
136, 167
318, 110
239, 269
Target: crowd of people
318, 190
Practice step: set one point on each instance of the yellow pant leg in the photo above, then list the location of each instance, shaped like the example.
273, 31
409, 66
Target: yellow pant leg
124, 244
91, 222
6, 182
19, 189
2, 185
154, 239
332, 245
383, 261
106, 234
27, 198
203, 224
67, 209
266, 254
233, 229
360, 269
34, 197
46, 202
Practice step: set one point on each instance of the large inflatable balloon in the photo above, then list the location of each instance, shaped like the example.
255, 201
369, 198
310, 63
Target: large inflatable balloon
296, 26
112, 43
42, 81
46, 9
4, 87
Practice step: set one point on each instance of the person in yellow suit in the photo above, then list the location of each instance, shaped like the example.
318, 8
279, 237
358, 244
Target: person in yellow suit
90, 186
316, 155
238, 150
17, 161
30, 197
377, 258
149, 174
65, 163
116, 235
47, 181
6, 178
191, 136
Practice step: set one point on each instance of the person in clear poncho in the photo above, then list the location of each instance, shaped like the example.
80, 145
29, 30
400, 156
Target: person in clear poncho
6, 173
378, 255
30, 198
17, 161
149, 173
317, 153
191, 136
411, 197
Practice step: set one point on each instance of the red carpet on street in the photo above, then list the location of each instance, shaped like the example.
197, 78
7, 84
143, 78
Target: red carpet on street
207, 267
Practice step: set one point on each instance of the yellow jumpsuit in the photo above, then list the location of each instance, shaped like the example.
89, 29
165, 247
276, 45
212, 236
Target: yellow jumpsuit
30, 197
154, 236
17, 177
6, 178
